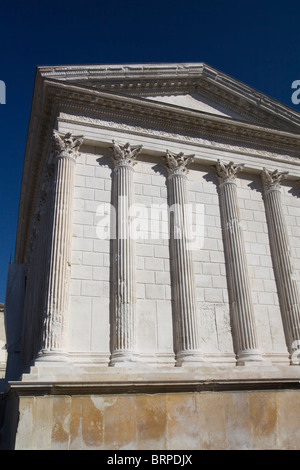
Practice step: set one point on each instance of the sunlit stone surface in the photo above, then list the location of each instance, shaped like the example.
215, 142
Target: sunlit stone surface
153, 298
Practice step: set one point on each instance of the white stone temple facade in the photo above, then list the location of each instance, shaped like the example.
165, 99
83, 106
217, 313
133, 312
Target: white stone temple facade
157, 264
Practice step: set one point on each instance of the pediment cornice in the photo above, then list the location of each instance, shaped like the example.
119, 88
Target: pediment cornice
78, 98
53, 95
153, 79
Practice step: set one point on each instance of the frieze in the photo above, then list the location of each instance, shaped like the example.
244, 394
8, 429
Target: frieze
165, 117
161, 133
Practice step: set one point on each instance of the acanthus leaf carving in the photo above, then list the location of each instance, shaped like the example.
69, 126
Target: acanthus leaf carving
125, 154
226, 172
177, 163
273, 179
67, 145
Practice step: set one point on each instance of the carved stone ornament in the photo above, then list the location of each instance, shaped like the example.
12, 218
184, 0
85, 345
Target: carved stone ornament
177, 163
125, 154
67, 145
272, 179
189, 135
227, 172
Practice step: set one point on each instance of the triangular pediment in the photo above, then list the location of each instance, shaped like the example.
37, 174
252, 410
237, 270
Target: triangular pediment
194, 101
191, 86
191, 101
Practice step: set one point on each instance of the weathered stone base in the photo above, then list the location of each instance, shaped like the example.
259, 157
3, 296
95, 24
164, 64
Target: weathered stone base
206, 415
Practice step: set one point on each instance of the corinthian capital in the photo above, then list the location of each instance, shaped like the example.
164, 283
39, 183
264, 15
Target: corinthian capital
177, 163
272, 179
226, 172
67, 145
125, 154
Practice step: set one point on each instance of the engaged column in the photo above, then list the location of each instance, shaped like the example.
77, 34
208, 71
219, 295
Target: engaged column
124, 288
244, 332
283, 269
55, 324
187, 346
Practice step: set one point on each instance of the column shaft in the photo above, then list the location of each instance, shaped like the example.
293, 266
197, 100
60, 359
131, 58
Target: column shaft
125, 299
54, 334
287, 288
244, 331
187, 344
124, 289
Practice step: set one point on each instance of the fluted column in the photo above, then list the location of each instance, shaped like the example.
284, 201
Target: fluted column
37, 274
244, 331
124, 288
287, 288
187, 345
54, 334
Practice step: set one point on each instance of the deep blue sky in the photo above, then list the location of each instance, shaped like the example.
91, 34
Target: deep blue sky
256, 42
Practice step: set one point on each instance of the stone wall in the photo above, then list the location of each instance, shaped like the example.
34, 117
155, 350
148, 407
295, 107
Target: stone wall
91, 263
210, 420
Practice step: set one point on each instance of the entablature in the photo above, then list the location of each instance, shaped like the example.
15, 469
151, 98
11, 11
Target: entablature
61, 103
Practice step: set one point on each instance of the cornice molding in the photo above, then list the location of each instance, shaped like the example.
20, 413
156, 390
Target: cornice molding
51, 96
154, 113
215, 140
147, 386
169, 78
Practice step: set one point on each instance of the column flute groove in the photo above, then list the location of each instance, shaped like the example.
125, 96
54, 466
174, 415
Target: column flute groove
55, 322
123, 341
187, 344
244, 330
288, 292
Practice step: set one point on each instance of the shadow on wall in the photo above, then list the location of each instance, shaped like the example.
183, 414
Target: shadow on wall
9, 419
